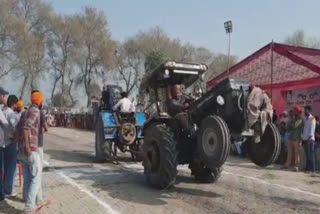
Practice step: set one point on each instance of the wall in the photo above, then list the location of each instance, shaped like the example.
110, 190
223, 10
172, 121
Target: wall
304, 97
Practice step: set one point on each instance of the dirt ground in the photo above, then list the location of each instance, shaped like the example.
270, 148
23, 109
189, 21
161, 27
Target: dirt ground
76, 185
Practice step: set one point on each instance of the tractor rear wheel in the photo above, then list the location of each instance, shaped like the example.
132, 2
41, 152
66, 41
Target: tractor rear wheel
103, 148
213, 142
203, 174
159, 156
267, 150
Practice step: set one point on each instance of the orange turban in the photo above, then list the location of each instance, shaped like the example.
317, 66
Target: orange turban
20, 104
36, 98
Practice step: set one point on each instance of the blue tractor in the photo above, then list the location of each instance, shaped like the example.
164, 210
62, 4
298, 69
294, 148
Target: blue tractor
115, 130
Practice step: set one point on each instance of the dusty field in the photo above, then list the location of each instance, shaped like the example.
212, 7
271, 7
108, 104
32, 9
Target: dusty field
76, 185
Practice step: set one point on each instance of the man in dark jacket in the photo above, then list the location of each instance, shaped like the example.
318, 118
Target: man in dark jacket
178, 105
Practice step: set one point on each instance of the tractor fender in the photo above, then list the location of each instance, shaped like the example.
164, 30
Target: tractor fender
158, 118
108, 122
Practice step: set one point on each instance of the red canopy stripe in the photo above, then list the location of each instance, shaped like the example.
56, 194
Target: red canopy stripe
293, 67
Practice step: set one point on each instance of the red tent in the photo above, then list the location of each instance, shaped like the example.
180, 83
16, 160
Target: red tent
277, 67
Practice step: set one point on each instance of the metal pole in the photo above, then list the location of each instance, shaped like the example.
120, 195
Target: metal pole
229, 46
271, 69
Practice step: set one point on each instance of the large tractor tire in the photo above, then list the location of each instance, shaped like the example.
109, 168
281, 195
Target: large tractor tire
213, 142
159, 156
202, 174
103, 148
267, 150
136, 154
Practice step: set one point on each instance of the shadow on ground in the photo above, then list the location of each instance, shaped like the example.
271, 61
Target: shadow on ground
6, 208
82, 156
131, 186
70, 156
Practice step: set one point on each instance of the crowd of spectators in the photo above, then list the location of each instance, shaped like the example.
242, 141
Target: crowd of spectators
300, 131
74, 120
21, 141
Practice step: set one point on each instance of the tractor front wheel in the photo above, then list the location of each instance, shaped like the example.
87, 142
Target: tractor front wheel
159, 156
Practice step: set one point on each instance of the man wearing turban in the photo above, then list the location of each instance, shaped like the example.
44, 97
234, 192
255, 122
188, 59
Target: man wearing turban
29, 151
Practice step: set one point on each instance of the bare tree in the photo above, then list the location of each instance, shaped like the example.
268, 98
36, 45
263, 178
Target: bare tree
94, 46
60, 47
299, 38
30, 47
218, 65
128, 67
11, 27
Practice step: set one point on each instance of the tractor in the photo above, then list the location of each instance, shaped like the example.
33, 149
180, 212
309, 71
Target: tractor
203, 140
116, 131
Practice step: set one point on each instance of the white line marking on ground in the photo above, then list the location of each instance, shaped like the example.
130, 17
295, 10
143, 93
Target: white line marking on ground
271, 184
82, 189
184, 168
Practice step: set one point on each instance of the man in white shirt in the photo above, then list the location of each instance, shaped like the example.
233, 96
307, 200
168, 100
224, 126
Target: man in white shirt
10, 151
308, 139
3, 124
124, 105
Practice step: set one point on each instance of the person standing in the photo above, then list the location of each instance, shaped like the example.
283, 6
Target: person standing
20, 108
317, 132
28, 152
42, 127
295, 125
10, 152
317, 136
3, 124
308, 139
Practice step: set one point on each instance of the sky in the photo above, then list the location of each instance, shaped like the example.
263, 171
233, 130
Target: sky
255, 22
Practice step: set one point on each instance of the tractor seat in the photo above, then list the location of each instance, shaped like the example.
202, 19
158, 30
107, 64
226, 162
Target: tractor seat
126, 117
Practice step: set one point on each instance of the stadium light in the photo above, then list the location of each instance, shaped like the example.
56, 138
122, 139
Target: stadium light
228, 28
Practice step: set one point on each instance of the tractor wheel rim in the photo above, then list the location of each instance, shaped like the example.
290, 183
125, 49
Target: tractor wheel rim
209, 141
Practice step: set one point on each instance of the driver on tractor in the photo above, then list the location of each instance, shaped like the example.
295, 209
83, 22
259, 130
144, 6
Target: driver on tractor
178, 105
125, 105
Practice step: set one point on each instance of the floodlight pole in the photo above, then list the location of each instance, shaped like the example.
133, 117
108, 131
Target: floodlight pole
228, 28
229, 47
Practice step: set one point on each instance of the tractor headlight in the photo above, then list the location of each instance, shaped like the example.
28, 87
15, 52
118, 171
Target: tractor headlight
220, 100
170, 64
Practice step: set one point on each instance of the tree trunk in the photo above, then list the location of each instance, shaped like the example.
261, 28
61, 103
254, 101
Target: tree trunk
88, 91
23, 87
70, 94
54, 88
